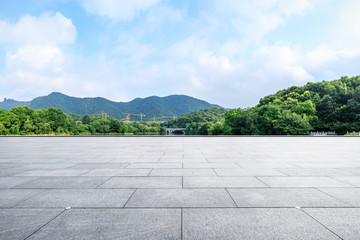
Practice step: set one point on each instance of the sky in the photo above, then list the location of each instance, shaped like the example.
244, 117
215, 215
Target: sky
226, 52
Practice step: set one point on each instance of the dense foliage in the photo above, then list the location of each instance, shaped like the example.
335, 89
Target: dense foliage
321, 106
27, 121
202, 122
152, 106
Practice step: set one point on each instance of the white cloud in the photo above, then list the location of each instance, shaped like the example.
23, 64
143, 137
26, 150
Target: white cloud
118, 9
257, 18
347, 33
162, 14
46, 29
208, 60
36, 61
188, 47
35, 57
282, 53
38, 67
323, 55
297, 7
258, 26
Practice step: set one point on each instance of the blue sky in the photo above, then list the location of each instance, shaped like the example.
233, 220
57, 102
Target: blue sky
228, 52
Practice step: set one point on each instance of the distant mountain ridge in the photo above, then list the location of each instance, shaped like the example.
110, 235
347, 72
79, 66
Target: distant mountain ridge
151, 106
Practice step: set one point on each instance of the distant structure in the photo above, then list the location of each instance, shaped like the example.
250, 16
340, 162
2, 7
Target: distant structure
173, 117
102, 115
174, 131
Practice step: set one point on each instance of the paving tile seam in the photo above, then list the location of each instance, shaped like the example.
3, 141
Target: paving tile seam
193, 188
355, 186
181, 226
277, 169
341, 200
45, 224
262, 182
129, 198
321, 224
101, 183
177, 207
84, 173
231, 197
24, 200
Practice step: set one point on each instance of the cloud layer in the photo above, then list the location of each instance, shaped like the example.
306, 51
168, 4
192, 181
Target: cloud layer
118, 9
227, 52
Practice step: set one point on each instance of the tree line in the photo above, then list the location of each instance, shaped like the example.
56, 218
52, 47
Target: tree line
53, 121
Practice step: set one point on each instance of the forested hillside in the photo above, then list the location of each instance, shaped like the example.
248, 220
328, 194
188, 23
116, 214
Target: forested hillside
152, 106
202, 122
322, 106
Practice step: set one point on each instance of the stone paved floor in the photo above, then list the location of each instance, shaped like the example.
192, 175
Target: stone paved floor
179, 188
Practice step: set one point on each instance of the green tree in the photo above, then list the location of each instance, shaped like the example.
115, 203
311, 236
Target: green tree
58, 120
292, 124
28, 126
217, 129
85, 119
2, 129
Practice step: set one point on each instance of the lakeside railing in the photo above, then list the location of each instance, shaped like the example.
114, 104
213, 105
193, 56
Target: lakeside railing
353, 133
317, 133
322, 133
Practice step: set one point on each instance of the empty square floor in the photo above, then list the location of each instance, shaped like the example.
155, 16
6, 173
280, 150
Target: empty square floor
179, 188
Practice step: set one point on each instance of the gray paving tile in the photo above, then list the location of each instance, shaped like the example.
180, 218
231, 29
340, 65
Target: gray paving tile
143, 182
354, 180
118, 172
45, 166
283, 197
352, 171
343, 221
9, 172
247, 172
251, 223
228, 160
9, 165
180, 198
303, 182
10, 182
267, 164
190, 160
17, 224
155, 165
183, 172
99, 166
54, 173
79, 198
313, 164
11, 197
154, 224
348, 195
314, 171
64, 182
210, 165
140, 160
222, 182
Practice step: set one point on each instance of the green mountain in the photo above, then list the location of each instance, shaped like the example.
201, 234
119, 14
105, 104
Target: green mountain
151, 106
